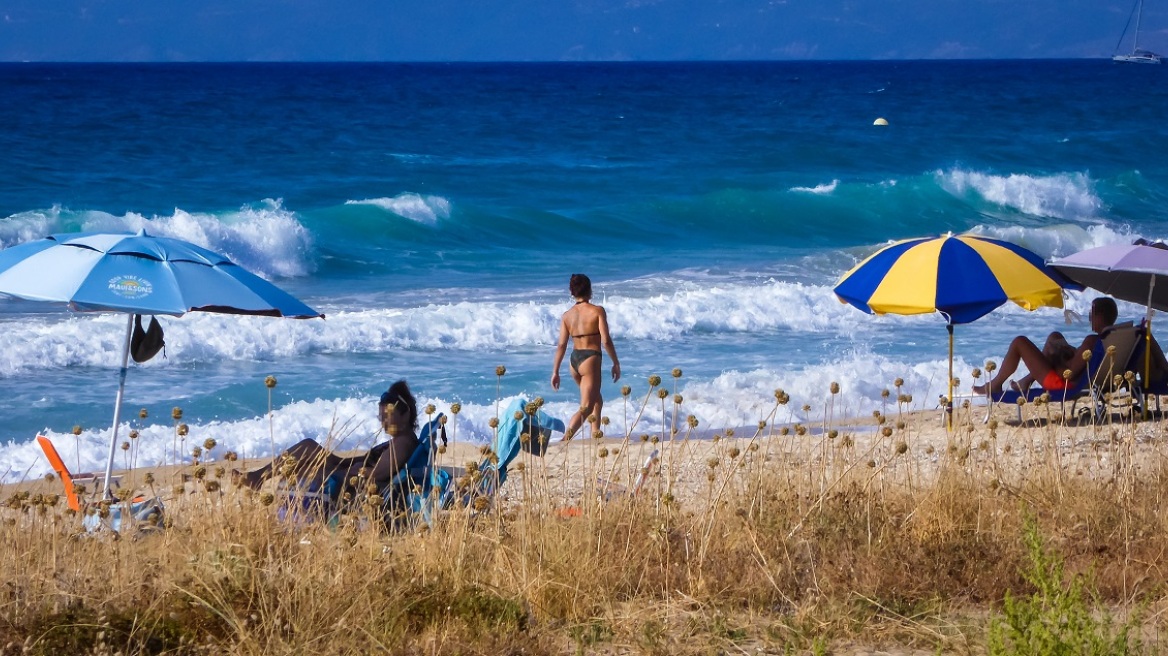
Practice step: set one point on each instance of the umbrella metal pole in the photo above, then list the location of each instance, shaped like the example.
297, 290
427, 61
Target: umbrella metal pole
949, 409
113, 446
1148, 344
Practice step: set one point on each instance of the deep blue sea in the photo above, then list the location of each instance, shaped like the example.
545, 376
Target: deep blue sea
434, 213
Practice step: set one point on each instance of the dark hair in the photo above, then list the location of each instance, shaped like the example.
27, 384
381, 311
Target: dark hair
399, 392
580, 286
1106, 309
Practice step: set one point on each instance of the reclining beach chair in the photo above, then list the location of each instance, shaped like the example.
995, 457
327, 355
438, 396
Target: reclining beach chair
142, 511
1095, 385
1151, 392
415, 492
531, 433
1144, 391
322, 498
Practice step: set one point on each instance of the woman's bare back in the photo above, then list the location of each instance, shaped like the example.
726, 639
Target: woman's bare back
583, 322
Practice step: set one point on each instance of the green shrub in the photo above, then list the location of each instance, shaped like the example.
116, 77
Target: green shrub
1059, 617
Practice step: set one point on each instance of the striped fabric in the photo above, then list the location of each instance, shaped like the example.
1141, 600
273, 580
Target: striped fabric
963, 277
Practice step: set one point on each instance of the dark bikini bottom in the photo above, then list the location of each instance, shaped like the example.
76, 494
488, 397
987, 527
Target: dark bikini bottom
580, 355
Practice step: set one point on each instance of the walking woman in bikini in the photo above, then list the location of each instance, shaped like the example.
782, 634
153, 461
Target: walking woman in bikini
587, 325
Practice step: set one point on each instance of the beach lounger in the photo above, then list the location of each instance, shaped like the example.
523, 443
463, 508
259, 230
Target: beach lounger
1144, 391
1095, 386
143, 511
321, 499
415, 492
69, 479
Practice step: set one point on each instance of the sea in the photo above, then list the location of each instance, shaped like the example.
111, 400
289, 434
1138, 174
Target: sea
435, 211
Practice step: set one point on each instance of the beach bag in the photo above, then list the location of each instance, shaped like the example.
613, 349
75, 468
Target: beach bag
534, 437
145, 344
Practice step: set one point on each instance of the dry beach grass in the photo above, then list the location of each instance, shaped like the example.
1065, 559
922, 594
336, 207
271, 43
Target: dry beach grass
886, 534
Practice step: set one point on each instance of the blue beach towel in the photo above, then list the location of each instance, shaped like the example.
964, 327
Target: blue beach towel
530, 433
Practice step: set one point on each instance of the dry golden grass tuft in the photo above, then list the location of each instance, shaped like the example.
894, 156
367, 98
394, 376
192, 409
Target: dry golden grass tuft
891, 533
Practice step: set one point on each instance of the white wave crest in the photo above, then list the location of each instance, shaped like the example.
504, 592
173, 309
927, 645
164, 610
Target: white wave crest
94, 340
822, 189
734, 399
1058, 240
1062, 196
744, 398
415, 207
266, 240
27, 226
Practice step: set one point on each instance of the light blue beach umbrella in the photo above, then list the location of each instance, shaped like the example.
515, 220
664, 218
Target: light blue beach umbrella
138, 274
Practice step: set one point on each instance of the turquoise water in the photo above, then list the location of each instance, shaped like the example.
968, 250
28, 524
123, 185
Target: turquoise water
435, 211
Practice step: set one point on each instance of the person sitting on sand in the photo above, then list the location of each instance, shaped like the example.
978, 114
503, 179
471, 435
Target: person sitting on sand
587, 325
1104, 312
1057, 351
1048, 365
398, 413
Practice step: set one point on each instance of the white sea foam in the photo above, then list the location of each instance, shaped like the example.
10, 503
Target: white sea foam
95, 340
415, 207
717, 307
822, 189
731, 400
744, 398
1059, 240
266, 239
1062, 196
27, 226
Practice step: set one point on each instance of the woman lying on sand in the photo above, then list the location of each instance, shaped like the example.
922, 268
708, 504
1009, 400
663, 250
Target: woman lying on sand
398, 413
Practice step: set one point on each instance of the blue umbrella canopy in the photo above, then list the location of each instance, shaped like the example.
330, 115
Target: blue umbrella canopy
141, 274
138, 274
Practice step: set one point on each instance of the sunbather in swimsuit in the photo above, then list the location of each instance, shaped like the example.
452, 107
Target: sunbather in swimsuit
587, 317
397, 412
1023, 351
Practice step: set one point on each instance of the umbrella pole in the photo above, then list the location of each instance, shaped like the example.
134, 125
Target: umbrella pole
113, 446
949, 409
1148, 342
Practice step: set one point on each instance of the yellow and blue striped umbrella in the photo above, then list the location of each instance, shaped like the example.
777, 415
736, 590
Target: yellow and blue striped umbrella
962, 277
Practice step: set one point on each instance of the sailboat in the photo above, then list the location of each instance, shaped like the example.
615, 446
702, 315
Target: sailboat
1136, 56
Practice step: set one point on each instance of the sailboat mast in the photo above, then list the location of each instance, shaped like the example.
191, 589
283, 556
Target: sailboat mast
1139, 15
1136, 56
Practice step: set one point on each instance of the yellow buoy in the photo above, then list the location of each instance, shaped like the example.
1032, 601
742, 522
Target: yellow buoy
880, 121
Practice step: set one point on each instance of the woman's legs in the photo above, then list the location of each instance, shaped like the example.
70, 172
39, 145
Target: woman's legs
1021, 350
312, 460
588, 378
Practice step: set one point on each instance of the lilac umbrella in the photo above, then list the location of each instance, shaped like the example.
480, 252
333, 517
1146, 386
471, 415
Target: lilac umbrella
1127, 272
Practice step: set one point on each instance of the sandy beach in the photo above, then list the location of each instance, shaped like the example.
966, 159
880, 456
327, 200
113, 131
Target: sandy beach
913, 443
704, 481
